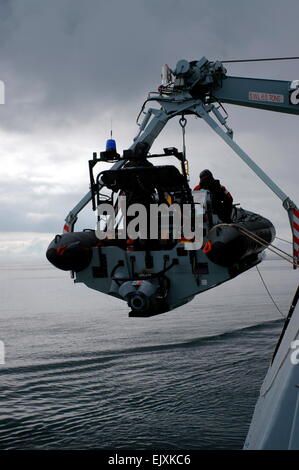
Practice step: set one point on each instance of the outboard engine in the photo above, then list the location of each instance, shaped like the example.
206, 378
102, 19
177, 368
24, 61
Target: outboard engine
144, 297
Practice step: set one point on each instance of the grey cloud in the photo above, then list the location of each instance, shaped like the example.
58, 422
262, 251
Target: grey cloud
67, 59
68, 64
27, 206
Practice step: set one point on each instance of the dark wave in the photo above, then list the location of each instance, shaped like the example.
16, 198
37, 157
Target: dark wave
95, 359
145, 397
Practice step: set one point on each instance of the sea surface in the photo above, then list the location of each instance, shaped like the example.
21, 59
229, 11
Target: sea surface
80, 374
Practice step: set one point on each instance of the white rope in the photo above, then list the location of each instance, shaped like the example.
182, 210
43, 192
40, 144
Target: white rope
269, 293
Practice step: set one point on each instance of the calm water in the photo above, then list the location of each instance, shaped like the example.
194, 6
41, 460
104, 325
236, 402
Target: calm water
80, 374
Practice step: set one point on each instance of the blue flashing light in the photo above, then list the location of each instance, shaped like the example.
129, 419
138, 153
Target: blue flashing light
110, 145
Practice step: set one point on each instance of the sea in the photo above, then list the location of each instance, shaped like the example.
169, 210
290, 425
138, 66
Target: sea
78, 373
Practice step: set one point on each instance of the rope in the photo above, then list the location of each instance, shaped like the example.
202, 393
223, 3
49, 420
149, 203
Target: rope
184, 163
270, 247
263, 242
259, 60
283, 240
183, 122
269, 293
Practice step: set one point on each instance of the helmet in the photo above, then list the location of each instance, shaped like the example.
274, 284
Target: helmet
206, 174
206, 179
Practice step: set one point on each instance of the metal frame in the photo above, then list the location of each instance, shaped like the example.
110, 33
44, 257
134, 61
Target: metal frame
182, 103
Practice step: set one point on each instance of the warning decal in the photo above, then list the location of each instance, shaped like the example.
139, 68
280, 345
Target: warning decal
260, 96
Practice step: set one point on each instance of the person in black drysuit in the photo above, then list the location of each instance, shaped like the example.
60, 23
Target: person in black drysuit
222, 201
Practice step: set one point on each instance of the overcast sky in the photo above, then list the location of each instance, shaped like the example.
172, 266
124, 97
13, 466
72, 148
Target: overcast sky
69, 67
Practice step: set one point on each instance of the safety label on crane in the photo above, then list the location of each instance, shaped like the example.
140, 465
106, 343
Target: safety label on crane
260, 96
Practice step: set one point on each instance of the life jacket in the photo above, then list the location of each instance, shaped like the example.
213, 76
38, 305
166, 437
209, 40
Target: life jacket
221, 188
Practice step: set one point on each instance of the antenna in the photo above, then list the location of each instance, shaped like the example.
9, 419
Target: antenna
110, 143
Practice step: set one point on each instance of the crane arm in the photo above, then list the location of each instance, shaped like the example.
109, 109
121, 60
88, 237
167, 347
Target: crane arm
209, 82
272, 95
198, 85
288, 204
193, 88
